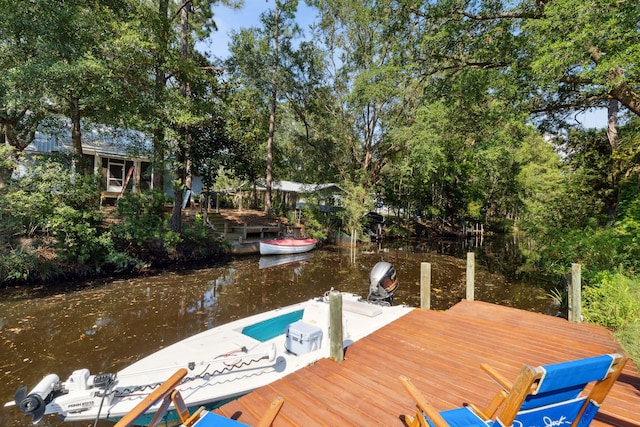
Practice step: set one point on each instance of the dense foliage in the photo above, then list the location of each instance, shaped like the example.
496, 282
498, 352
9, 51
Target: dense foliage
450, 111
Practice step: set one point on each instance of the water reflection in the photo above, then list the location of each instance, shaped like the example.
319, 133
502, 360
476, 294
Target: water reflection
105, 326
272, 261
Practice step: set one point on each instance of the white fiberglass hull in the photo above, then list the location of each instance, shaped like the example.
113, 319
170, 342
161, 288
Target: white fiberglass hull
226, 361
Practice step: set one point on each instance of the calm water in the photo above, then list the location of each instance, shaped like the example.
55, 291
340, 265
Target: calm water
105, 326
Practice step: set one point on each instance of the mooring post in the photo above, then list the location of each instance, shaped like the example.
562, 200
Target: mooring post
335, 326
471, 268
425, 285
575, 294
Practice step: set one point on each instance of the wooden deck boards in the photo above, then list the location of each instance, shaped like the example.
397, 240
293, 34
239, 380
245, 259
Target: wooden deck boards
441, 352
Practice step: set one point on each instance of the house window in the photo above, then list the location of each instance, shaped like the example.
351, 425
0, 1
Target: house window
115, 178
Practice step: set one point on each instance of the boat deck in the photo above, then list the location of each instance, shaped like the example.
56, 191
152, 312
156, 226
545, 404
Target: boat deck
441, 352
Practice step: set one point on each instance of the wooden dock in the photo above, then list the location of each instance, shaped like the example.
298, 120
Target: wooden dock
441, 352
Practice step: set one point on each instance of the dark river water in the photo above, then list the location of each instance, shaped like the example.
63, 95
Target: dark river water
106, 325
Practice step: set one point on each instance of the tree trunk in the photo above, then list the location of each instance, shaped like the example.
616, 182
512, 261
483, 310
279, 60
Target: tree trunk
181, 154
160, 84
612, 123
272, 125
158, 159
176, 213
272, 113
76, 133
612, 136
186, 89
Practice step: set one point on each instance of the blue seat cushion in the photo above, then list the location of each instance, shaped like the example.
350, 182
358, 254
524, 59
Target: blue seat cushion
556, 415
461, 417
214, 420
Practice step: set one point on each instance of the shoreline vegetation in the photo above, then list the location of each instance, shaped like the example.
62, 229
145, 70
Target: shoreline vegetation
77, 240
457, 114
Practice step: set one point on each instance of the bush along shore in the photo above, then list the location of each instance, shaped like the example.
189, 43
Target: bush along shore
48, 236
53, 228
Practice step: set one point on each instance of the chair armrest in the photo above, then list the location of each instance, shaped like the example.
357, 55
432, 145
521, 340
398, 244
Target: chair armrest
497, 377
494, 405
421, 402
272, 412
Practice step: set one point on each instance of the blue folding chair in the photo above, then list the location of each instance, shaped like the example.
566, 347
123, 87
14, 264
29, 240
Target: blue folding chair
546, 395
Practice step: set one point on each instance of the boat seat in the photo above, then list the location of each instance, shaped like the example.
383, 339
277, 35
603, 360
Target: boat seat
363, 308
317, 313
271, 328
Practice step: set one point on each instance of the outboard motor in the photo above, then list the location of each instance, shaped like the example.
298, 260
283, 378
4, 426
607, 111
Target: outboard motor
35, 402
383, 283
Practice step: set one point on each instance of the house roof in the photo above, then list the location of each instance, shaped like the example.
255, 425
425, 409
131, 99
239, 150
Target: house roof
99, 140
296, 187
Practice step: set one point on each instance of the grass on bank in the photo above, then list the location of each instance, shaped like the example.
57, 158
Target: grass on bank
612, 299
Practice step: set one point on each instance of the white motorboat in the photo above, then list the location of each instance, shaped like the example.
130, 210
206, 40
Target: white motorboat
223, 363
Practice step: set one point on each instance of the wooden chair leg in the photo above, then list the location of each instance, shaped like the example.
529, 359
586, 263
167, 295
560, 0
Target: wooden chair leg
157, 417
181, 407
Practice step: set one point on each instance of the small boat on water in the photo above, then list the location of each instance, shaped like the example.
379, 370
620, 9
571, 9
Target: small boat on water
224, 362
286, 246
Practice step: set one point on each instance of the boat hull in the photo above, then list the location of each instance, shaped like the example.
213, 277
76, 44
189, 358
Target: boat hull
287, 246
227, 361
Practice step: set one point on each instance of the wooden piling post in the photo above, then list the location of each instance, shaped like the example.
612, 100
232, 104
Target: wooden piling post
335, 326
470, 276
575, 294
425, 285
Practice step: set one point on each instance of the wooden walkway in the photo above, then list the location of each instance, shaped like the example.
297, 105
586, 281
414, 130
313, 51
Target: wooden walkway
441, 352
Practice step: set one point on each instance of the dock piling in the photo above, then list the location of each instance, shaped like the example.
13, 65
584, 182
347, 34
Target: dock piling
471, 271
575, 294
425, 285
335, 326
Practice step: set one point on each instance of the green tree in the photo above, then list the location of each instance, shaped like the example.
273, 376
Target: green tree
247, 119
560, 56
53, 211
261, 58
64, 55
175, 70
308, 144
371, 86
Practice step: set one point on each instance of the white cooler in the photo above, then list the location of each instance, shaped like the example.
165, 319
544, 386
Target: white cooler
302, 338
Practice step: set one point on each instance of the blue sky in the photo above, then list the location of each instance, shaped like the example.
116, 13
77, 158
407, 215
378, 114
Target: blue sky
229, 20
594, 119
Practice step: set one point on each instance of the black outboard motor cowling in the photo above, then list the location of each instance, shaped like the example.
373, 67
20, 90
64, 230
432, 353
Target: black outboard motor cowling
383, 283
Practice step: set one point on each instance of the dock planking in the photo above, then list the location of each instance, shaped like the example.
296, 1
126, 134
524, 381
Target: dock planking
441, 352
